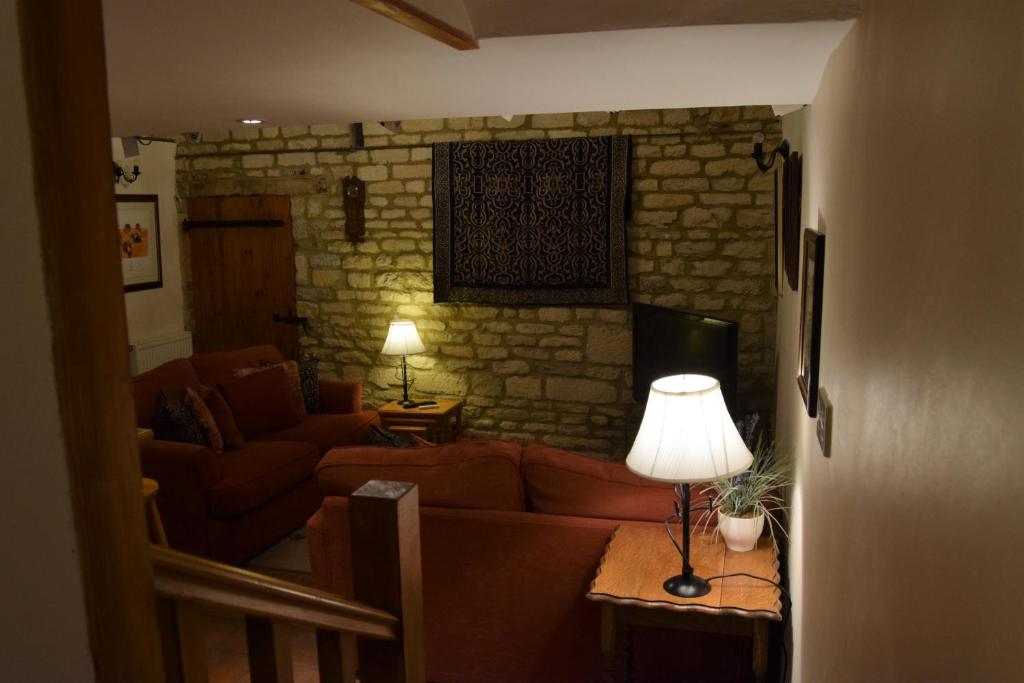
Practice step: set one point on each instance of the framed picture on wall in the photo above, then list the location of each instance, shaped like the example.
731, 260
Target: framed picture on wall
812, 282
138, 233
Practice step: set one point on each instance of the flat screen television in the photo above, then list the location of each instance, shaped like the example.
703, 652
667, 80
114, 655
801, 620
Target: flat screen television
668, 342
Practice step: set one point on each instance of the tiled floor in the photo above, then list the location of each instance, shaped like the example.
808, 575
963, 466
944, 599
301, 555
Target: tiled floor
225, 633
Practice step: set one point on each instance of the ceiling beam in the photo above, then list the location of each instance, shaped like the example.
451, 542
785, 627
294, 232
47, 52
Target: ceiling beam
420, 21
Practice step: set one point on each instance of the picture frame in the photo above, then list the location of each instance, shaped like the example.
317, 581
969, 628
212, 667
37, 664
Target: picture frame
811, 297
138, 233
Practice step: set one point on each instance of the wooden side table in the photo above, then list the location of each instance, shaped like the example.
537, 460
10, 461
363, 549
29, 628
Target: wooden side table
639, 559
440, 424
150, 488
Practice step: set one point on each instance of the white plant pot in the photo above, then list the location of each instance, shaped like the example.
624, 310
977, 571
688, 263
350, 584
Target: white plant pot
740, 533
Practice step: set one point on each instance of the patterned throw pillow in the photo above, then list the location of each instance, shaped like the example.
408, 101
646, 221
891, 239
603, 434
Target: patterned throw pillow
309, 378
175, 422
291, 371
225, 419
204, 417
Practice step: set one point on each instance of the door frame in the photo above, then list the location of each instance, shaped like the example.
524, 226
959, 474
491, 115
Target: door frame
63, 53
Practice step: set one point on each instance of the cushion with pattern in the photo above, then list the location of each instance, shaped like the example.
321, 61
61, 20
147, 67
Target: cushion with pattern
175, 422
195, 403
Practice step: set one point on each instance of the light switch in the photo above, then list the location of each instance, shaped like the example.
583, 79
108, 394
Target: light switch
824, 423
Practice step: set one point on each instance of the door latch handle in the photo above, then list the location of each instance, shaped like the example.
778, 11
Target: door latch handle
293, 320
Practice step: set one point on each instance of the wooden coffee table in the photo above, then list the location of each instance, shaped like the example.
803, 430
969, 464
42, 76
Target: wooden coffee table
638, 559
440, 424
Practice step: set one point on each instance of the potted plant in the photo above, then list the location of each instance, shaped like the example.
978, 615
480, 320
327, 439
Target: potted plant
745, 501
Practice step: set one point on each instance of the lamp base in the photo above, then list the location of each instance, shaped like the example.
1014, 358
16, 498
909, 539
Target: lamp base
683, 586
408, 404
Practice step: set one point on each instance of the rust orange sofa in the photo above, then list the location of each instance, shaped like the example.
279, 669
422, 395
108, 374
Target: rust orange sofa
231, 506
511, 539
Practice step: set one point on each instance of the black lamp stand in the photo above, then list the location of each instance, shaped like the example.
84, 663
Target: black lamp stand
405, 403
687, 584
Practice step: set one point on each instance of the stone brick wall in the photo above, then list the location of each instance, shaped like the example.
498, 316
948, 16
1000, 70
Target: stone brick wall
701, 239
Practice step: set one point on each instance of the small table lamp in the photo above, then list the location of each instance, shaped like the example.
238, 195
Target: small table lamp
687, 437
403, 340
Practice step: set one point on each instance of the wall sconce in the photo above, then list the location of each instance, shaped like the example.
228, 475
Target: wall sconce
128, 177
759, 154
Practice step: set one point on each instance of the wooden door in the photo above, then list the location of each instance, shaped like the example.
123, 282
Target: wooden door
243, 273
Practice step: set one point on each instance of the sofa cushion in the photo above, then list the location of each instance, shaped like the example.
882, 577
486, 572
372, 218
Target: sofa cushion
257, 473
327, 431
560, 482
173, 377
219, 366
195, 403
261, 402
474, 474
175, 422
224, 418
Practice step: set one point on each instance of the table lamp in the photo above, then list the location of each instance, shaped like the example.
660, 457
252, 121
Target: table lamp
687, 437
403, 340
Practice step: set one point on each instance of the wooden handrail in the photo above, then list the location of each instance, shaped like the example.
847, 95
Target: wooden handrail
183, 577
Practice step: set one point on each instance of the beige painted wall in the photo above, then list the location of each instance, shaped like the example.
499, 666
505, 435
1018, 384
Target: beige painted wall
905, 561
158, 312
42, 623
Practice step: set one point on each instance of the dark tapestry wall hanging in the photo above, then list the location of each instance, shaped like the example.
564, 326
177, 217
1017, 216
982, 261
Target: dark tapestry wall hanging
531, 221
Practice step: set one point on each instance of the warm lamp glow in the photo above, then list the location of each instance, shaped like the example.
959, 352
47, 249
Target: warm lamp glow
686, 434
403, 339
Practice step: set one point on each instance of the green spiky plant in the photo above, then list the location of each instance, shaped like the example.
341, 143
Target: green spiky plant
759, 489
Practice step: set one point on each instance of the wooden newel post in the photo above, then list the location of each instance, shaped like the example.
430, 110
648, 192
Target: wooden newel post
384, 525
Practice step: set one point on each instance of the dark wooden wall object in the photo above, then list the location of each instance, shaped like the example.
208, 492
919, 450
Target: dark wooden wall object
792, 195
243, 273
353, 192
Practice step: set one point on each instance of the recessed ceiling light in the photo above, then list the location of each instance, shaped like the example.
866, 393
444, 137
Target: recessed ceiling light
251, 122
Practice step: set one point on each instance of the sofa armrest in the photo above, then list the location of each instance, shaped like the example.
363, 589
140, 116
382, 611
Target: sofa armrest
340, 396
184, 472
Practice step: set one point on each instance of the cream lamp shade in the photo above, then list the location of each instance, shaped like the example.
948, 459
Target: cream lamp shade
687, 435
403, 339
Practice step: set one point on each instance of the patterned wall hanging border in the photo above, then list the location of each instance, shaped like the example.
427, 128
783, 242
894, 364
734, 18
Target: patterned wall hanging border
532, 221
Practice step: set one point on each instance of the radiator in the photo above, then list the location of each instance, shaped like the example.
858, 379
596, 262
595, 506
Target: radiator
149, 353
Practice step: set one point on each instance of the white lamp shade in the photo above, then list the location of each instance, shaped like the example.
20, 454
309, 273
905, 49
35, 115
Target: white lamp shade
686, 435
403, 339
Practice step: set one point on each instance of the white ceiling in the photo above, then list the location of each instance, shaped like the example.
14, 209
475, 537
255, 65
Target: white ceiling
182, 65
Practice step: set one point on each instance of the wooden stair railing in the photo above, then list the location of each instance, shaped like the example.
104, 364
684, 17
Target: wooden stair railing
379, 644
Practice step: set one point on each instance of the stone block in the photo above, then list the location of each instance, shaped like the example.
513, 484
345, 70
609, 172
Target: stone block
389, 156
608, 344
412, 171
593, 118
523, 387
641, 117
511, 367
422, 125
675, 167
580, 390
370, 173
296, 159
713, 198
552, 120
663, 201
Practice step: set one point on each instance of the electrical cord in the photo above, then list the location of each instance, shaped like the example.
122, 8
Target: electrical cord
787, 607
787, 604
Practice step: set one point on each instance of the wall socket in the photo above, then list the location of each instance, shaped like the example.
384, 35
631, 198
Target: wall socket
824, 422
